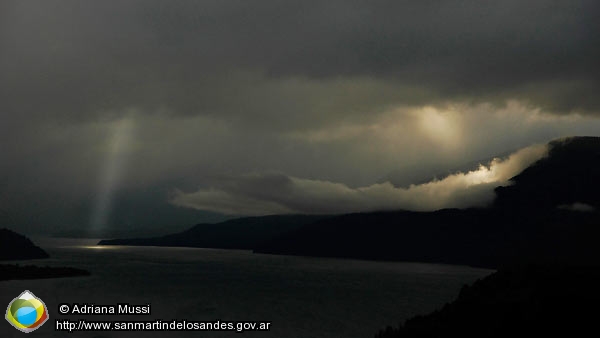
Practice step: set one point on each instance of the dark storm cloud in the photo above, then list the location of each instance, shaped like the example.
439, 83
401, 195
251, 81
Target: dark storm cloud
320, 91
209, 57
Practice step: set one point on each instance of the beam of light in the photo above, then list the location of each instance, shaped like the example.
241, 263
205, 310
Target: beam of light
441, 127
118, 148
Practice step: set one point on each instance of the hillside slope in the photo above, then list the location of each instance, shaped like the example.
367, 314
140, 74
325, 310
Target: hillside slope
569, 174
14, 246
522, 300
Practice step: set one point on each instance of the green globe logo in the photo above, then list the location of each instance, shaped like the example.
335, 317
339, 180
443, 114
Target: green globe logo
26, 312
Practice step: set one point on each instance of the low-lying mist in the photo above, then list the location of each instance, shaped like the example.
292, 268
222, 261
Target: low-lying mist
276, 193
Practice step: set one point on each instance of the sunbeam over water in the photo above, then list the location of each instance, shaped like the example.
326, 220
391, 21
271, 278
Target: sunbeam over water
118, 148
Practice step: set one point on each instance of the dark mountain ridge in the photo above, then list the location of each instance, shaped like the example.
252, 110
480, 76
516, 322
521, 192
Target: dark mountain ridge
240, 233
477, 237
569, 174
526, 221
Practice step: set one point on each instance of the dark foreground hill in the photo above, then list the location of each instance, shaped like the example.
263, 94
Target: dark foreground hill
14, 246
517, 301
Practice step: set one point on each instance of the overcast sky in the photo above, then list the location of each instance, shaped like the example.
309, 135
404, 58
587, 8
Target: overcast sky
138, 115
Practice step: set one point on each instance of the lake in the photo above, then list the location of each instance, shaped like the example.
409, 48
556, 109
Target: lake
300, 296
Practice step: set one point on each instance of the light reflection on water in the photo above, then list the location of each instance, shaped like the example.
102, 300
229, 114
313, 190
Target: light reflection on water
94, 247
301, 296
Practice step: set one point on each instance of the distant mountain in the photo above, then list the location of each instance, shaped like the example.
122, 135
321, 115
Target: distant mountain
14, 246
476, 237
549, 214
241, 233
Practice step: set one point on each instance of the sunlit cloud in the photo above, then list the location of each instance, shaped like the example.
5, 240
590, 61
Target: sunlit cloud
260, 194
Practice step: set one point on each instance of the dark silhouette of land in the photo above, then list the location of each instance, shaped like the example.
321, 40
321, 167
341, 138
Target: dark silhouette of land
517, 301
570, 174
14, 246
476, 237
242, 233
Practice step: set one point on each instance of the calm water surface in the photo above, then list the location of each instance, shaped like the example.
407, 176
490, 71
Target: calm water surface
302, 297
